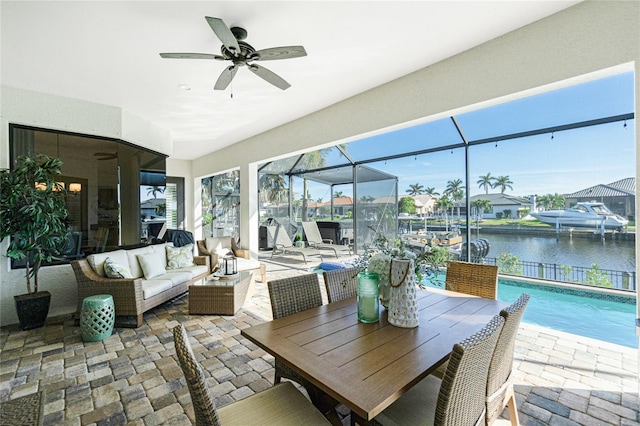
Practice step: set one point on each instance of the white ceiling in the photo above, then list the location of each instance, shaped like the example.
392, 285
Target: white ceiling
107, 52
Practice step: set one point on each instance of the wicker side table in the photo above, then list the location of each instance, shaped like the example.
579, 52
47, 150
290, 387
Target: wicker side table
219, 296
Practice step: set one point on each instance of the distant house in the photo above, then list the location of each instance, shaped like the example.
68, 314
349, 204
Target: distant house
517, 206
619, 196
149, 208
425, 203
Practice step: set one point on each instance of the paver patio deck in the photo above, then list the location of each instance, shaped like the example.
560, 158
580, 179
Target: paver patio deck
133, 378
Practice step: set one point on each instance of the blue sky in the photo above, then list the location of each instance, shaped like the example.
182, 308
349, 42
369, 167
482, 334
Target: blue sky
571, 161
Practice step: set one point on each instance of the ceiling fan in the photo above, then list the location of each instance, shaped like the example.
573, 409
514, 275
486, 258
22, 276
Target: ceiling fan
241, 53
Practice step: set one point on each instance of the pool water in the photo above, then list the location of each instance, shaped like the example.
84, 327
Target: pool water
607, 320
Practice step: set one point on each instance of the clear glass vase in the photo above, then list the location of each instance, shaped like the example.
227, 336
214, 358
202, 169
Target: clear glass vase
368, 302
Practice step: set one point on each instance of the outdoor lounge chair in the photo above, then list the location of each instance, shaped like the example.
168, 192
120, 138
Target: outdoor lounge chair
282, 404
456, 400
314, 238
284, 245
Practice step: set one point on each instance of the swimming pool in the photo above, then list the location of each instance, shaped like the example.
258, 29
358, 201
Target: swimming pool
590, 314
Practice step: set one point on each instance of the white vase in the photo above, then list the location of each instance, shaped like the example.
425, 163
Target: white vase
403, 303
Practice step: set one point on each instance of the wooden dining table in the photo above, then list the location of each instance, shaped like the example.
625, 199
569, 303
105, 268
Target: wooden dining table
368, 366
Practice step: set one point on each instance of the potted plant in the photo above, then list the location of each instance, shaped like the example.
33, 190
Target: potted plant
33, 216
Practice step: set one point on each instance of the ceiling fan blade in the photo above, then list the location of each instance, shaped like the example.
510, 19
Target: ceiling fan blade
269, 76
224, 34
191, 56
226, 77
284, 52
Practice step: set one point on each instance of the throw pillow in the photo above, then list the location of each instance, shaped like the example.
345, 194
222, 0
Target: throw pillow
151, 265
115, 270
179, 257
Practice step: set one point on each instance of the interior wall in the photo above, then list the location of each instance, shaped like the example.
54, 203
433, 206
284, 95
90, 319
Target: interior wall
578, 43
59, 113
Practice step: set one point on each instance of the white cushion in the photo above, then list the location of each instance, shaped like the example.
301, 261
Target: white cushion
219, 246
176, 276
97, 260
179, 257
115, 270
134, 265
161, 250
151, 288
152, 265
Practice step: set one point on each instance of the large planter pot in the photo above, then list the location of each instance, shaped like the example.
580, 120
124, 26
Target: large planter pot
32, 309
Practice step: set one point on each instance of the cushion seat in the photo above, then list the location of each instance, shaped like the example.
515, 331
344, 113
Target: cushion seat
154, 287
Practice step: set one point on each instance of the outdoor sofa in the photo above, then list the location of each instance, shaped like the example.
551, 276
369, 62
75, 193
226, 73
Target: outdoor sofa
139, 279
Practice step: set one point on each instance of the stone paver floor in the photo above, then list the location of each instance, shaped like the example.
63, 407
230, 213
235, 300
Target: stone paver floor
133, 377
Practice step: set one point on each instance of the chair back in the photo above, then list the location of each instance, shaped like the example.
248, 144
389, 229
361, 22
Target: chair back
461, 400
473, 278
204, 405
312, 232
341, 283
294, 294
502, 360
281, 237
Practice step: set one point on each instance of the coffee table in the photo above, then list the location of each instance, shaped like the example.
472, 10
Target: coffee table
219, 295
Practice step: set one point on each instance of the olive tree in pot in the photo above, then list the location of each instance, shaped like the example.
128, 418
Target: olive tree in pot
33, 216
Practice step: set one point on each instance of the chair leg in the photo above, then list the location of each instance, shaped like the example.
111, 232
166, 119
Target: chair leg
513, 410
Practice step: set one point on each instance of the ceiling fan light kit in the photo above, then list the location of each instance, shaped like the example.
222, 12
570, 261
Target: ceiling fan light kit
241, 54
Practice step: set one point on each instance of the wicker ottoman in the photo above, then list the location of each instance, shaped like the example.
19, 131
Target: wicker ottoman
97, 317
221, 297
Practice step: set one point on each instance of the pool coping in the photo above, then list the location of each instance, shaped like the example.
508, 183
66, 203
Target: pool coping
621, 296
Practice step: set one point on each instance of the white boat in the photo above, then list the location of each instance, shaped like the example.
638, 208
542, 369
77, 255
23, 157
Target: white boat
583, 215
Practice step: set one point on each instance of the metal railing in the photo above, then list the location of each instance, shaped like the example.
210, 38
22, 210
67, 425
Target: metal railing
594, 276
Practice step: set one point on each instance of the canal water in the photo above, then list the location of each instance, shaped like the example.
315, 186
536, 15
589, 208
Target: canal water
614, 255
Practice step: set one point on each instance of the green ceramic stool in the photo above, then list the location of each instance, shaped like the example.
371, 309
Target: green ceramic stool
97, 317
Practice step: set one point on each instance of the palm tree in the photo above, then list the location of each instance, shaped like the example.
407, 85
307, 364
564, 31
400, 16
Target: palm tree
431, 191
486, 182
551, 201
480, 207
311, 160
337, 194
503, 183
154, 190
272, 188
455, 191
415, 189
443, 205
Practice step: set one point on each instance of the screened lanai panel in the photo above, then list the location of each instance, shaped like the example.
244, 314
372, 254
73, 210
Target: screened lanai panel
376, 207
593, 100
417, 138
344, 175
278, 167
320, 159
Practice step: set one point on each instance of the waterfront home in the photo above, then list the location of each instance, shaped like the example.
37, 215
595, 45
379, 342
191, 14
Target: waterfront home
618, 196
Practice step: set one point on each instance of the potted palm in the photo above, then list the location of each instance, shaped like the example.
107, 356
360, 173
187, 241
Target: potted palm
33, 216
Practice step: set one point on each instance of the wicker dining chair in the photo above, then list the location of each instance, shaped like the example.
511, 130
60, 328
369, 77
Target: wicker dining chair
456, 400
473, 278
290, 296
341, 283
281, 404
499, 383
